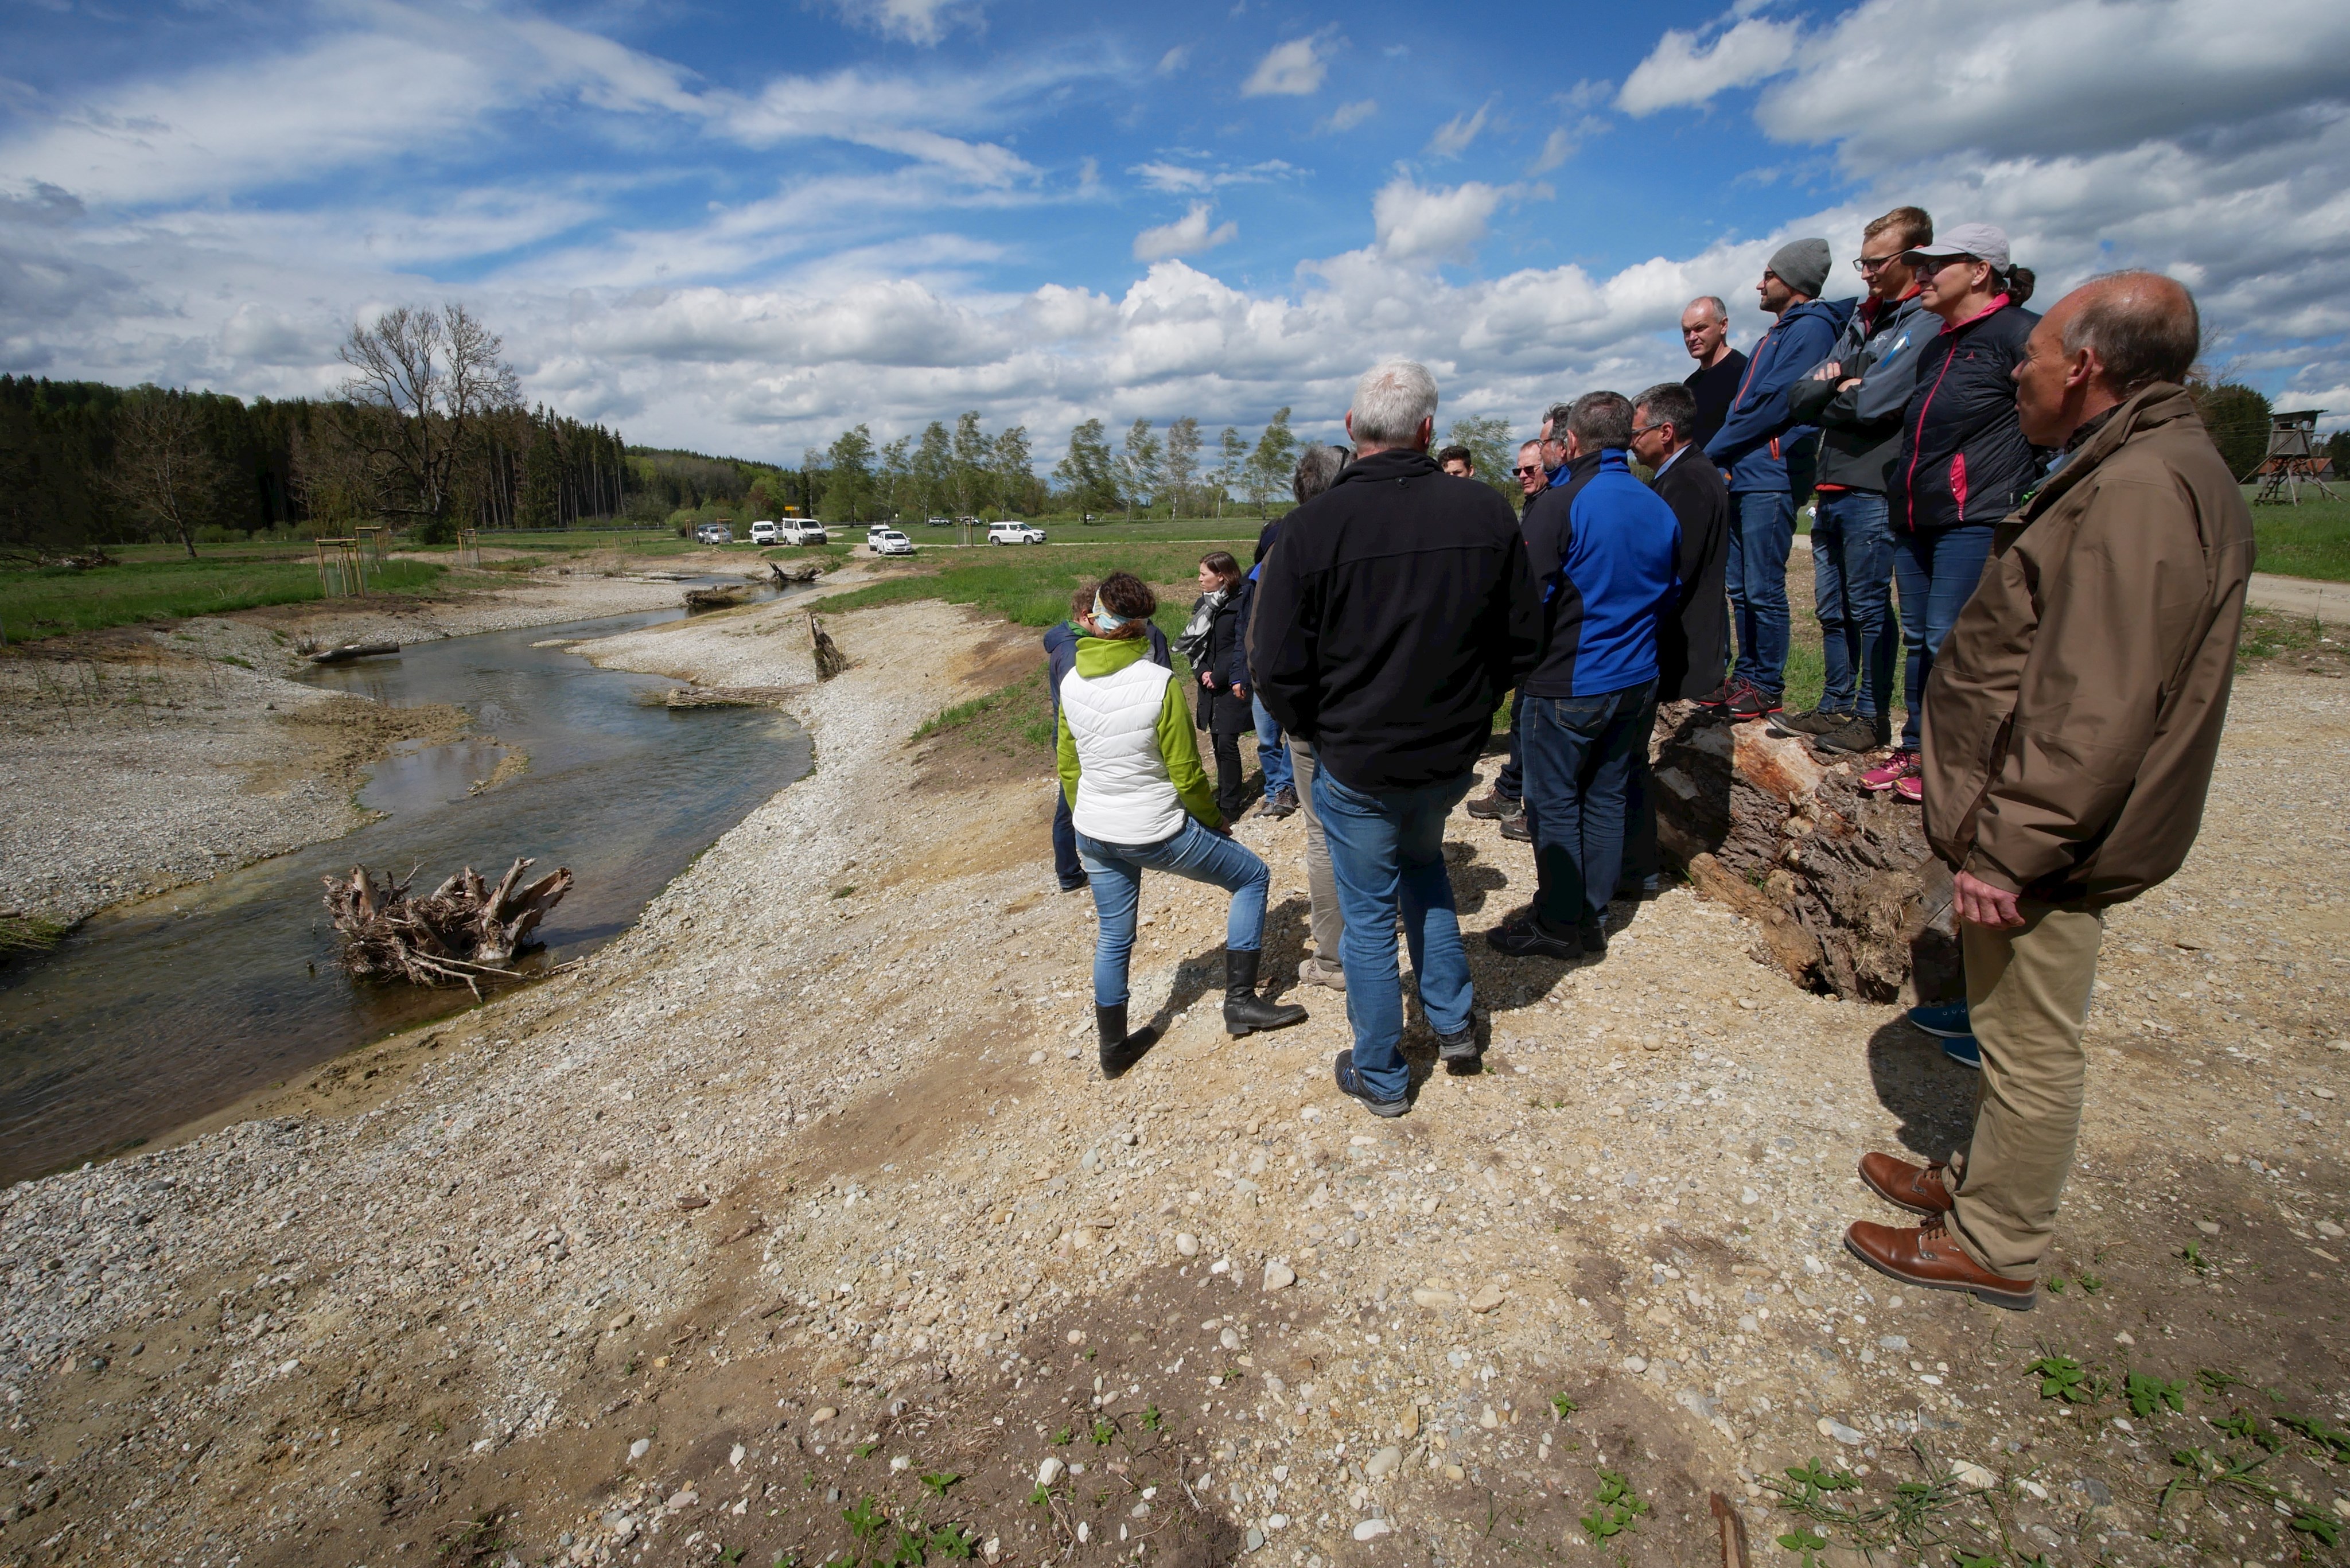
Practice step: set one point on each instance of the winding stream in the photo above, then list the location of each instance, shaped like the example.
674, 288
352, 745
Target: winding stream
151, 1016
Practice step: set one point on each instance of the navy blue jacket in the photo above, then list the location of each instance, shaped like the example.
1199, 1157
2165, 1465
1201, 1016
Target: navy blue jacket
1603, 547
1963, 456
1762, 443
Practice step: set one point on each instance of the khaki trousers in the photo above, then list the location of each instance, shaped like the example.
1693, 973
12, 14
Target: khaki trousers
2028, 996
1321, 884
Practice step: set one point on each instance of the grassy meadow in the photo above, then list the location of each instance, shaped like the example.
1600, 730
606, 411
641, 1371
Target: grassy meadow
50, 601
2311, 540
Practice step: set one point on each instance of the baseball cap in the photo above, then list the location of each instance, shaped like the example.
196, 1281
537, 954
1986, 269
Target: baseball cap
1984, 242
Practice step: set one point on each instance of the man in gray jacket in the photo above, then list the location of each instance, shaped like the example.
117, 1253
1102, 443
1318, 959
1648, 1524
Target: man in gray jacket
1855, 396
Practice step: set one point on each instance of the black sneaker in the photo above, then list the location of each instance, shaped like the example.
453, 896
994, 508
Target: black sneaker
1721, 695
1593, 936
1527, 938
1343, 1069
1517, 828
1751, 701
1802, 726
1853, 737
1496, 806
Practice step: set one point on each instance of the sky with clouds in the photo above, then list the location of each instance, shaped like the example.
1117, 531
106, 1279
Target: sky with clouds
739, 229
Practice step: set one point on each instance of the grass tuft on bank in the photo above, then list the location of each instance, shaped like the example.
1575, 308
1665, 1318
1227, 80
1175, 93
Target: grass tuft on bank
52, 601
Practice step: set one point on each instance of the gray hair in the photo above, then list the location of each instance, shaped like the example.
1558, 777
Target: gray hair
1392, 401
1711, 302
1601, 421
1670, 403
1556, 417
2143, 326
1317, 470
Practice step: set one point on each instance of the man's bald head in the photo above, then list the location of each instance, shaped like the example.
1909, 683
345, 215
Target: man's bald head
2100, 345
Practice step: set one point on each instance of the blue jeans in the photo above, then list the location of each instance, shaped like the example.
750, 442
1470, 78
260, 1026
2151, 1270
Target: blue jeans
1937, 572
1762, 532
1271, 753
1852, 588
1387, 853
1579, 766
1193, 852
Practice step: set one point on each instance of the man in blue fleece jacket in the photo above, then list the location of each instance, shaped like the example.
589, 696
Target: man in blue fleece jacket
1771, 460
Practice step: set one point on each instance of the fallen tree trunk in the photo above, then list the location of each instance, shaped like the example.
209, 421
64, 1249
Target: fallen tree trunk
1851, 899
805, 574
351, 651
462, 929
713, 598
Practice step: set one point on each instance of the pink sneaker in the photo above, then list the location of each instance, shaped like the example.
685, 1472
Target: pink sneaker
1911, 789
1888, 773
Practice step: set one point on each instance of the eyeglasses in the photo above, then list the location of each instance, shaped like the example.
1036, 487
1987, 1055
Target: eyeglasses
1528, 468
1869, 267
1640, 431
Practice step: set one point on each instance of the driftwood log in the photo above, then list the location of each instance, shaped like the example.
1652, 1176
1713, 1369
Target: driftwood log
462, 930
829, 660
713, 598
805, 574
351, 651
1851, 899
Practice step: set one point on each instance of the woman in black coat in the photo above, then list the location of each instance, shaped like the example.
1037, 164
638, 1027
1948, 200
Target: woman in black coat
1214, 641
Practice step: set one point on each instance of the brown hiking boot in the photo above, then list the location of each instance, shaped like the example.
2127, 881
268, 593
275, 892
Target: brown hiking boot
1518, 828
1918, 1188
1493, 806
1930, 1258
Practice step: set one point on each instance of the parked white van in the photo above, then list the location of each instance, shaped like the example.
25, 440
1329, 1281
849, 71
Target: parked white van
801, 531
1012, 531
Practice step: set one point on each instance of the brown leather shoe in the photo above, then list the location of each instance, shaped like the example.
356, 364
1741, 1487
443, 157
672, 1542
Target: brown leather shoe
1928, 1258
1917, 1188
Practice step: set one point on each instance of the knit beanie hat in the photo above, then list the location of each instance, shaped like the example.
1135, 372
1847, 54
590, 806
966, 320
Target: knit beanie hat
1802, 265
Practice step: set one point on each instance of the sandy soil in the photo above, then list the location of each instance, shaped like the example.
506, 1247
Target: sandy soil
190, 751
798, 1222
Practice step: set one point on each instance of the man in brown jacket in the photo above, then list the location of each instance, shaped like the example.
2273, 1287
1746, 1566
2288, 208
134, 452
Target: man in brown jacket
2071, 725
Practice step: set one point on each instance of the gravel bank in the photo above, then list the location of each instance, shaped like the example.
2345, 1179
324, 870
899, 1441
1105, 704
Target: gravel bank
804, 1191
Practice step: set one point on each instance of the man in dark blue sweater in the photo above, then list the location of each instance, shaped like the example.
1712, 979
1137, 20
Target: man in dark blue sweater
1602, 547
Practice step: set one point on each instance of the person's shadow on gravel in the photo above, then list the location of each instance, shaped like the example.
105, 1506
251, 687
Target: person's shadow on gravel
1934, 1097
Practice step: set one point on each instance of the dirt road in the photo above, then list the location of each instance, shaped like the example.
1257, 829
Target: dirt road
797, 1223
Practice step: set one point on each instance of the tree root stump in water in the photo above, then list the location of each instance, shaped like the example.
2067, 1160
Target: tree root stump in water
462, 929
829, 660
1851, 899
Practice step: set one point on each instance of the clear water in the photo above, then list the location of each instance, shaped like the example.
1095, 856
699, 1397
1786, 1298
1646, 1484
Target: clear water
151, 1016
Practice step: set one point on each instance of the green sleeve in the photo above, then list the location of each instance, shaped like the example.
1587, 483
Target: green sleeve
1181, 754
1068, 748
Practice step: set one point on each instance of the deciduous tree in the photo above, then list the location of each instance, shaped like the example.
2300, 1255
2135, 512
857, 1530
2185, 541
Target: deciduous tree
421, 382
165, 475
1270, 463
1182, 461
1138, 465
1089, 472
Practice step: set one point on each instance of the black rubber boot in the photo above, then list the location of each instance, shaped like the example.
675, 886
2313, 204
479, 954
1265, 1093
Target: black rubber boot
1245, 1011
1119, 1050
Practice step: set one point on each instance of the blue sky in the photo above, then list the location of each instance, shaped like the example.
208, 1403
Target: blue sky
739, 228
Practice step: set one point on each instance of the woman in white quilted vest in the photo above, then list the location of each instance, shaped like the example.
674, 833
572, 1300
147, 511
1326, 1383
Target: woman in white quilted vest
1138, 798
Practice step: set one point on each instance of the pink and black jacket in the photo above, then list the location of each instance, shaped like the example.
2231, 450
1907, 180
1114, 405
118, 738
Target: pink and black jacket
1963, 456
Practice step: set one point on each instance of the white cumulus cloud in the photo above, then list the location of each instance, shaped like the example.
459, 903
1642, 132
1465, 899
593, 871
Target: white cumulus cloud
1434, 222
1294, 69
1682, 70
1187, 235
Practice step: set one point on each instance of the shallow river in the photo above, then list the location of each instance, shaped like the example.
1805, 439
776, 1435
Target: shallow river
148, 1017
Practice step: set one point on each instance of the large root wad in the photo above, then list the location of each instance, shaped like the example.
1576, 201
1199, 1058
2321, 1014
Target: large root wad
462, 930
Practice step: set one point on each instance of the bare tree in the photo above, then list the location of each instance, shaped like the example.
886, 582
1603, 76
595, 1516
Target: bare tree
164, 473
421, 382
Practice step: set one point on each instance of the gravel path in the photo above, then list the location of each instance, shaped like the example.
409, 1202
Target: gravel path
805, 1190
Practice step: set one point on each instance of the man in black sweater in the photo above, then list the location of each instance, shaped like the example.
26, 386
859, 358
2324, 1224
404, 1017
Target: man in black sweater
1397, 611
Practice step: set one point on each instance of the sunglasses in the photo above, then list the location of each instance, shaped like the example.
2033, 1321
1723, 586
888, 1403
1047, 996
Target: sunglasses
1525, 469
1934, 264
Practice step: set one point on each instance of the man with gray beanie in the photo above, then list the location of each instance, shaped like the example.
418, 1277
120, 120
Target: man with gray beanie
1770, 459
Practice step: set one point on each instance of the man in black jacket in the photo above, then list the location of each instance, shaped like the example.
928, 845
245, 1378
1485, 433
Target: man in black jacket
1693, 635
1396, 612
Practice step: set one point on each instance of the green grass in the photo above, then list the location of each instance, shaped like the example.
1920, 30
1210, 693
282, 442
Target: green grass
54, 600
1032, 586
2311, 540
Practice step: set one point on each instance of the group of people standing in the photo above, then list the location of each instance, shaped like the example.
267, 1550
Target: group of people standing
2064, 706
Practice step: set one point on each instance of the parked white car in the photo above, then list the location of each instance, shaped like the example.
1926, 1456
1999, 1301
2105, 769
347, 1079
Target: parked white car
799, 531
890, 541
1012, 531
762, 533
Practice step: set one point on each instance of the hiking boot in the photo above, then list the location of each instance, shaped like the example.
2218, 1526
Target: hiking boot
1282, 803
1942, 1020
1119, 1050
1517, 828
1529, 937
1929, 1259
1496, 806
1343, 1069
1921, 1188
1852, 737
1751, 701
1895, 767
1315, 971
1803, 726
1461, 1055
1721, 695
1245, 1012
